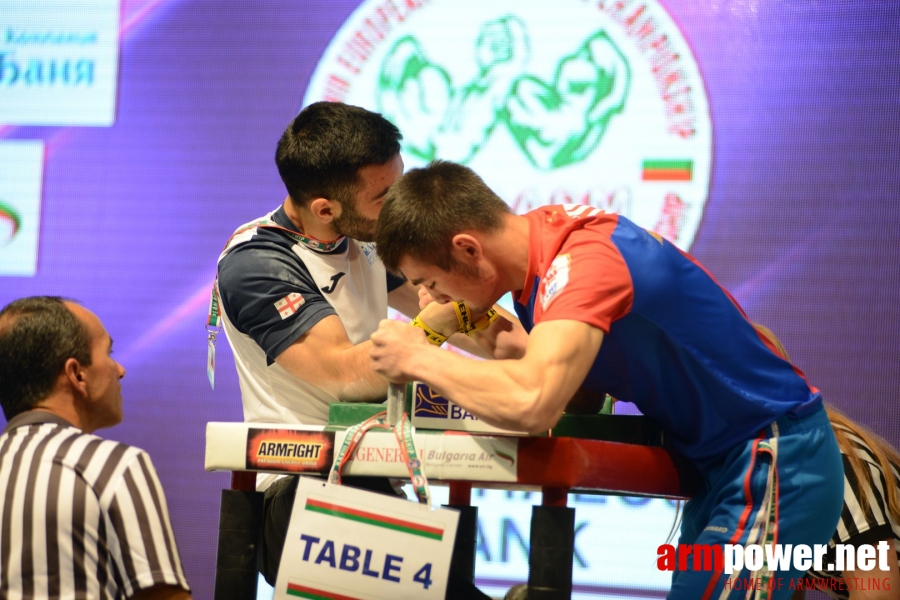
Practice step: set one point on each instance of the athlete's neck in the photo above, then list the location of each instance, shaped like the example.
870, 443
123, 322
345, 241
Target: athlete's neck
509, 249
307, 223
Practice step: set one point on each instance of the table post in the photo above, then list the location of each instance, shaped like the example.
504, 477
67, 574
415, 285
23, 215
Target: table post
462, 565
552, 547
240, 530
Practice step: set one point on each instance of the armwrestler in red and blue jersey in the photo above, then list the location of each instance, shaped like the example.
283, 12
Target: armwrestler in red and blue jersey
679, 346
615, 309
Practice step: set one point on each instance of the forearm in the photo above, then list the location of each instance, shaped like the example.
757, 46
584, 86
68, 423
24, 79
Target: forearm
469, 344
338, 368
351, 379
525, 394
503, 393
504, 339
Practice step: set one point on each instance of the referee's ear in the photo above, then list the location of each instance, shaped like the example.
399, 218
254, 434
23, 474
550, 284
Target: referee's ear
74, 377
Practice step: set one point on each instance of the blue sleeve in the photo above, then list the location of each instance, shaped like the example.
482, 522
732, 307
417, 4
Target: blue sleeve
253, 279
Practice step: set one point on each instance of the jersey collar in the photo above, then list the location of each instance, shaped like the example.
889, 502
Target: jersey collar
35, 417
281, 218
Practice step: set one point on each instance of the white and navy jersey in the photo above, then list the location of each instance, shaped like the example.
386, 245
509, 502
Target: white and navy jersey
80, 516
856, 525
275, 285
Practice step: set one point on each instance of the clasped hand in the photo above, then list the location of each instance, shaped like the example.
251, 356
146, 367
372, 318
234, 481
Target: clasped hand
394, 344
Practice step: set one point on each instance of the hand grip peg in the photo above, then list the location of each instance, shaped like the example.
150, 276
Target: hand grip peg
395, 402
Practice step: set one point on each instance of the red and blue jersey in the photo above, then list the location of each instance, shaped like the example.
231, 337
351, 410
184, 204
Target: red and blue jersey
676, 343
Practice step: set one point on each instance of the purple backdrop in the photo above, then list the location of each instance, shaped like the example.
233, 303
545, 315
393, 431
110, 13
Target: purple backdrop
802, 222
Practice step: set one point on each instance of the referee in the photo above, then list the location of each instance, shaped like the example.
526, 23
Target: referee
80, 517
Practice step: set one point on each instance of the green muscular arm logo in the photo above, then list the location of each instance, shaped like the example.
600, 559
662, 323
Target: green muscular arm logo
561, 123
438, 120
555, 124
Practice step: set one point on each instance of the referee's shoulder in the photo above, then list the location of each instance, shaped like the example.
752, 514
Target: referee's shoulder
100, 460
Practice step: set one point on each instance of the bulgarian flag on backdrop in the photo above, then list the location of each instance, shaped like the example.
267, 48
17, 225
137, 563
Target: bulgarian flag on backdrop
667, 170
9, 223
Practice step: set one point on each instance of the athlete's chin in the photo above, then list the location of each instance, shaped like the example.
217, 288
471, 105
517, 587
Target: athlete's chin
478, 310
364, 236
359, 233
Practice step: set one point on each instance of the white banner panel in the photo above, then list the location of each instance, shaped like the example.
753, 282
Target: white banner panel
58, 62
21, 171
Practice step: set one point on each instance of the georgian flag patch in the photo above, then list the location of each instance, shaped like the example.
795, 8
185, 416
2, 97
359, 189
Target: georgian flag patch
556, 279
289, 305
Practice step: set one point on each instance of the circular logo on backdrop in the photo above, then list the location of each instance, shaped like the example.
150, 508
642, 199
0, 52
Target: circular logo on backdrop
10, 222
599, 103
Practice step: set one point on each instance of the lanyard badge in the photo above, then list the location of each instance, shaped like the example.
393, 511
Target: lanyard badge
213, 327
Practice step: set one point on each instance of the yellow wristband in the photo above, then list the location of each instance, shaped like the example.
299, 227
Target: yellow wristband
467, 324
484, 322
463, 317
433, 336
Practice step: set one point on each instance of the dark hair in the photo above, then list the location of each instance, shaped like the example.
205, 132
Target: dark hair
320, 153
426, 207
37, 336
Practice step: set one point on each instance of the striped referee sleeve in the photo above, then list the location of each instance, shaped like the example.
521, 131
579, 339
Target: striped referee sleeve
11, 519
854, 520
139, 526
80, 517
858, 526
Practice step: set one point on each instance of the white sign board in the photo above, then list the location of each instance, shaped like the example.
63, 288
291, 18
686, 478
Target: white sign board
349, 543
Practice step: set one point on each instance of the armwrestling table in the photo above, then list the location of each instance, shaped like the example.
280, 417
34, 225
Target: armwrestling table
604, 454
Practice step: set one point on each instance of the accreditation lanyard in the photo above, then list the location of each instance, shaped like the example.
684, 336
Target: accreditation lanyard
214, 319
403, 434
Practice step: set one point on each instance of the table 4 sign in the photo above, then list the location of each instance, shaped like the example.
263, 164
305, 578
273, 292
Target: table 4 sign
345, 543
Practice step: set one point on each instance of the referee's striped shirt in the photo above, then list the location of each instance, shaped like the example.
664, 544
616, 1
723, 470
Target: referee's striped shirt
80, 517
856, 525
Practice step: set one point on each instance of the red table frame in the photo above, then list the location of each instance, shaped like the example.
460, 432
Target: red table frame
556, 465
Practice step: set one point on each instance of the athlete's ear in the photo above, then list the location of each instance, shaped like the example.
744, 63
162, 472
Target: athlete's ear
324, 209
466, 249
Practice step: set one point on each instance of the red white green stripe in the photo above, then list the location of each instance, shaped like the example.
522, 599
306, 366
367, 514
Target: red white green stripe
8, 215
667, 170
304, 591
505, 456
361, 516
